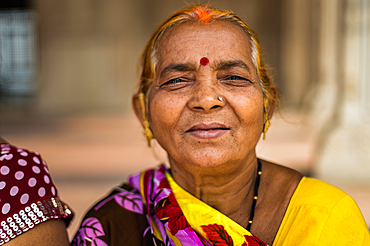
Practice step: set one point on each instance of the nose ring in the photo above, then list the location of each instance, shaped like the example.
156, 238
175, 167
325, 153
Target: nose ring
220, 98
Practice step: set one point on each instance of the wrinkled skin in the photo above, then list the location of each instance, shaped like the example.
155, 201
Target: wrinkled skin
184, 95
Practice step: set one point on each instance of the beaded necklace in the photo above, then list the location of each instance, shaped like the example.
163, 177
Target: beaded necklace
259, 172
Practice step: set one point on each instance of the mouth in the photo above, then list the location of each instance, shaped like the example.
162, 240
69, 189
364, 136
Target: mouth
208, 130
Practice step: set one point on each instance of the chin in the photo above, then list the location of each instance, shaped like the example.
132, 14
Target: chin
209, 159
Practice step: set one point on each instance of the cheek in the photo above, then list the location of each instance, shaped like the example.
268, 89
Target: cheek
164, 113
249, 109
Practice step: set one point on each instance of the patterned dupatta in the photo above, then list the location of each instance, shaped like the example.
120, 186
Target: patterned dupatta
178, 218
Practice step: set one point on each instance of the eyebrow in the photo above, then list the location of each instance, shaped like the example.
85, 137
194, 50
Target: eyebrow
186, 67
224, 65
177, 67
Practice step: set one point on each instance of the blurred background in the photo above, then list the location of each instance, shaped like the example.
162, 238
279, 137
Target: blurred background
69, 69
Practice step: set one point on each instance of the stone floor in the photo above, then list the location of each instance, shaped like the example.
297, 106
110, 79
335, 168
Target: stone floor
89, 154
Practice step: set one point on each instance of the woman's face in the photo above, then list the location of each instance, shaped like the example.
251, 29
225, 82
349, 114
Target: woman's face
185, 113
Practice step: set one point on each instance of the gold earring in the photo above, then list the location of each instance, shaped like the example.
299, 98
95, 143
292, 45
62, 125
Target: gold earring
147, 132
266, 119
265, 128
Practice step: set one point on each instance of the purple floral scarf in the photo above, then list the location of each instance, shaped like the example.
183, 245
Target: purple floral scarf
153, 196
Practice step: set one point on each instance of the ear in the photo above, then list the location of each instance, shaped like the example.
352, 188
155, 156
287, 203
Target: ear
272, 102
136, 105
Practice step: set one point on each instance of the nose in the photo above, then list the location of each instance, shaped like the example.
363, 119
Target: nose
206, 98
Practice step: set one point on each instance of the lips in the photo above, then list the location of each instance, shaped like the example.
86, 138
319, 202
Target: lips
208, 130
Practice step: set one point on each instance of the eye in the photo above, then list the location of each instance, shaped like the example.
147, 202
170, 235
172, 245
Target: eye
234, 77
235, 80
174, 81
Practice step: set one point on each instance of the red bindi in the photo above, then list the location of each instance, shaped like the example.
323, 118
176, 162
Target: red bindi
204, 61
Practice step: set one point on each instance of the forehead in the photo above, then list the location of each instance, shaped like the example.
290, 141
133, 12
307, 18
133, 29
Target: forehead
190, 41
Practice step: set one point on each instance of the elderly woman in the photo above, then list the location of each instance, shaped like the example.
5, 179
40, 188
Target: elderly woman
206, 97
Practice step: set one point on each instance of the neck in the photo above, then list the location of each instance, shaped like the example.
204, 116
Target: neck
227, 189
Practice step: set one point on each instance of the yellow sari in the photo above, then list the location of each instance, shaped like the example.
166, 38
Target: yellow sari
206, 215
321, 214
318, 214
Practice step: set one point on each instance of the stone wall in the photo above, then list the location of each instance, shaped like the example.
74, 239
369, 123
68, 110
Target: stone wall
89, 49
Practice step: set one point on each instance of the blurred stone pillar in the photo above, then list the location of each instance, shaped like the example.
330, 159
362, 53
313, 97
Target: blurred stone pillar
344, 101
299, 32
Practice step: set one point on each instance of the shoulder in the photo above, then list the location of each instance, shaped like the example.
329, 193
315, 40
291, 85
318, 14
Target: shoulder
320, 213
316, 192
24, 178
28, 194
280, 179
327, 201
117, 219
122, 204
303, 190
